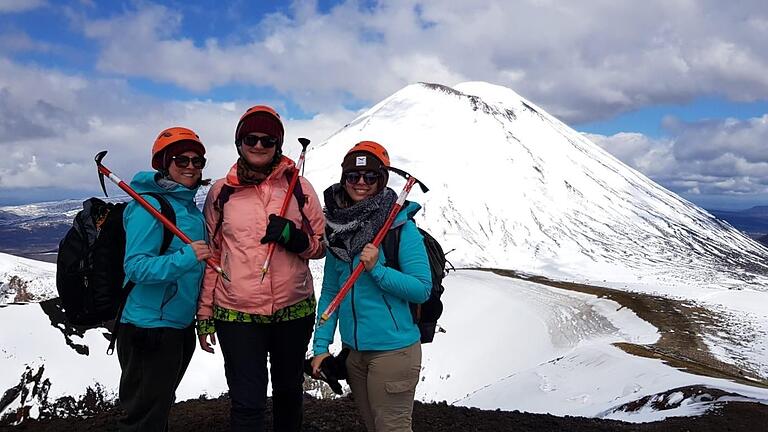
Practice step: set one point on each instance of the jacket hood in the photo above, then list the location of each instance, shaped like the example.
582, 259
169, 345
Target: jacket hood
146, 181
409, 210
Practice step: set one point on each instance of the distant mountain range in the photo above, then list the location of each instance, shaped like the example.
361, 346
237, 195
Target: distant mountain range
752, 221
34, 230
37, 235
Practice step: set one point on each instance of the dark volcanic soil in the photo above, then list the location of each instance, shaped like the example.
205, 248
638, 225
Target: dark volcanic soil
682, 326
340, 415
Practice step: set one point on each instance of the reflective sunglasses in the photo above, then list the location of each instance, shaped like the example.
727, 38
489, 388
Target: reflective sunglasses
369, 177
266, 141
182, 161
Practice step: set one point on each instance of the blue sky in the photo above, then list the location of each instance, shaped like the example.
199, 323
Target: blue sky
675, 89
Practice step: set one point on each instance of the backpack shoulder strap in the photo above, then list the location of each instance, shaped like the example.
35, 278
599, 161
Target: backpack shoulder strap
225, 192
298, 192
391, 245
301, 199
166, 209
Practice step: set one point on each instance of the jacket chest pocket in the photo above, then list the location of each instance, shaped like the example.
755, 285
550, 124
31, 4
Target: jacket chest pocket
391, 312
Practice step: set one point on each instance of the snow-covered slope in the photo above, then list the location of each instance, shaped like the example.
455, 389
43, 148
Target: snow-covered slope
512, 187
23, 280
51, 360
519, 345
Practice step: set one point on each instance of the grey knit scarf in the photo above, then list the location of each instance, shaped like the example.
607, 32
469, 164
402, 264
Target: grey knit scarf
350, 226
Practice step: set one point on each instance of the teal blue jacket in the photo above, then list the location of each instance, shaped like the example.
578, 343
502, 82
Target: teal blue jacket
374, 315
167, 286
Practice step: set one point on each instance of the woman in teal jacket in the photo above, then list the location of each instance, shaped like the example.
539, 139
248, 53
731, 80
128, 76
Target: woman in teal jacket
374, 318
156, 339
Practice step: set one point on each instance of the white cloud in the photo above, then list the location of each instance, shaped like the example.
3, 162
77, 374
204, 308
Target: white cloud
582, 61
713, 158
709, 140
52, 124
12, 6
11, 42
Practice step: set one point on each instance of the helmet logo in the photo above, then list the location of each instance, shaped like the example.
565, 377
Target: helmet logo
361, 161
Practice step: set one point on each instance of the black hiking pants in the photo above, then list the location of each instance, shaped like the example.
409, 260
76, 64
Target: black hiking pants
153, 361
245, 347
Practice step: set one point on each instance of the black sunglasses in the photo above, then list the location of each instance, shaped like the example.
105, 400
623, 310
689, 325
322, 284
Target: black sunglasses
369, 177
182, 161
266, 141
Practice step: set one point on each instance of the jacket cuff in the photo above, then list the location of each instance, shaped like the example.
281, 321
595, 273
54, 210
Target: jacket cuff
320, 349
377, 272
188, 257
204, 312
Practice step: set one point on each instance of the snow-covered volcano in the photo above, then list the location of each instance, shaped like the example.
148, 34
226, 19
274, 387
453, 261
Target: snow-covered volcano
513, 187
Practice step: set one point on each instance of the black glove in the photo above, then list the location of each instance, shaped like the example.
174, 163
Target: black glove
284, 232
332, 369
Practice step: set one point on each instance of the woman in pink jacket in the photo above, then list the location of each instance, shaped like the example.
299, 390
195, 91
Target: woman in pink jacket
255, 316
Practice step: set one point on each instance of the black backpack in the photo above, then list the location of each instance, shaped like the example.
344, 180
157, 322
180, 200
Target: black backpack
425, 315
89, 266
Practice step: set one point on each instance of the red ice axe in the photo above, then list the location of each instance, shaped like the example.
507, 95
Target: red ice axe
291, 186
104, 171
410, 181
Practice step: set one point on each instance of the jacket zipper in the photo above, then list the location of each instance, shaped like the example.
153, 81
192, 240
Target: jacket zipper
261, 193
354, 313
390, 312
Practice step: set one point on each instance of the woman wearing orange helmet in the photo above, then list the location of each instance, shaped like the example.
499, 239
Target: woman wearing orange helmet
374, 319
259, 315
156, 338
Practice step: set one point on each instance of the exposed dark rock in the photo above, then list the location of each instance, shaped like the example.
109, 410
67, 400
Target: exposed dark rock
340, 415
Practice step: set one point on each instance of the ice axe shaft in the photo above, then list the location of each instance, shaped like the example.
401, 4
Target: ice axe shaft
287, 200
104, 171
410, 181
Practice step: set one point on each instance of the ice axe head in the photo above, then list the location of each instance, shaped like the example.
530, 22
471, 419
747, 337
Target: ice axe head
407, 176
99, 156
304, 143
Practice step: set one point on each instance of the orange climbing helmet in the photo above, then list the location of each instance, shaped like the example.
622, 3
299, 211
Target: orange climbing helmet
260, 118
171, 136
373, 148
367, 156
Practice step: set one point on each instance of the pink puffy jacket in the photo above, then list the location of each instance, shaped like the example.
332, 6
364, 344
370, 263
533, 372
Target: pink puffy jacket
238, 248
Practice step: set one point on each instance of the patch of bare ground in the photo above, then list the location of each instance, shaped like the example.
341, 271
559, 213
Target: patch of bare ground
325, 415
682, 325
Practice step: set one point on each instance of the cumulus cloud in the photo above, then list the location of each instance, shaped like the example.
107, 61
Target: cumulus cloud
17, 41
701, 160
52, 124
582, 61
12, 6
